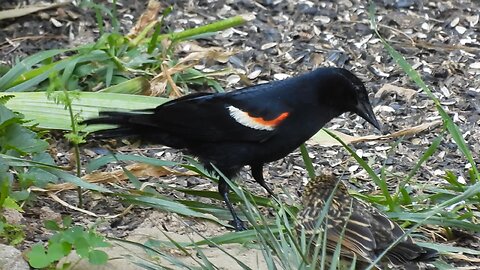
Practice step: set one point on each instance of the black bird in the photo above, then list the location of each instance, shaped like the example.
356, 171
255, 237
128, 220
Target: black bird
251, 126
367, 231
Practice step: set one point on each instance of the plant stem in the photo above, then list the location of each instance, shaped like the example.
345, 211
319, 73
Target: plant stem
209, 28
76, 149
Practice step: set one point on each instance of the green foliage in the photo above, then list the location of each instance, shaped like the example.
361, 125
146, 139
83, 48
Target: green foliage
60, 95
16, 139
459, 198
120, 64
307, 161
68, 238
113, 58
10, 233
280, 244
20, 142
100, 11
50, 115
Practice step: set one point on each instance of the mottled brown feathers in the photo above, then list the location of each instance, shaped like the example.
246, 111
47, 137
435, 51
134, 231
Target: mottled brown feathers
366, 231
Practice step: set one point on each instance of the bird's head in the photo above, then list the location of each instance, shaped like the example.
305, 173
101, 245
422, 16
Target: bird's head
325, 184
347, 92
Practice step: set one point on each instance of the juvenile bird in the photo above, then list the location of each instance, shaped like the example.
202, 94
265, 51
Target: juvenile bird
251, 126
367, 232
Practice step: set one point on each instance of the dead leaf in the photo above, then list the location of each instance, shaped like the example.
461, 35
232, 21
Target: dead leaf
463, 257
19, 12
89, 213
403, 92
147, 17
175, 90
159, 82
64, 203
323, 139
137, 169
197, 53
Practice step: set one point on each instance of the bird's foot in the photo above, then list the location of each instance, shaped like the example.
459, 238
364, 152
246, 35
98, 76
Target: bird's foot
238, 224
272, 195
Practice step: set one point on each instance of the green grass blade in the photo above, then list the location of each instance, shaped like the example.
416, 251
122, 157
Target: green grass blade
233, 197
24, 66
101, 161
209, 28
428, 153
428, 218
167, 204
21, 162
443, 248
379, 182
219, 247
219, 212
76, 180
29, 79
231, 238
308, 161
415, 76
135, 86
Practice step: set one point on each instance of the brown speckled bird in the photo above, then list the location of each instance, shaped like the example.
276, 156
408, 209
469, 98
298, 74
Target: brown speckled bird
367, 232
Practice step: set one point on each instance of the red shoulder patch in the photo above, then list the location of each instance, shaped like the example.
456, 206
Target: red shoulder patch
259, 123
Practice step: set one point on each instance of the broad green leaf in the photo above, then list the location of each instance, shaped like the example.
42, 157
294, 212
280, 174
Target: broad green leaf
21, 139
38, 176
71, 235
38, 109
82, 247
51, 225
12, 204
15, 161
6, 116
37, 257
67, 221
97, 257
134, 86
55, 251
96, 240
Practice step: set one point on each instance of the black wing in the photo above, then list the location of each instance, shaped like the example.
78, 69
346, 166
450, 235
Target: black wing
218, 117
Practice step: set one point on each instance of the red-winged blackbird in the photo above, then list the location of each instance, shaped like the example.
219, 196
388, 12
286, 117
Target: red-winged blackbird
366, 231
251, 126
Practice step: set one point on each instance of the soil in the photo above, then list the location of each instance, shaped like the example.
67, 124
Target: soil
439, 38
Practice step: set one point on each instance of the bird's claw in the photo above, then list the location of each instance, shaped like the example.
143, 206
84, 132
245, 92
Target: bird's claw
238, 225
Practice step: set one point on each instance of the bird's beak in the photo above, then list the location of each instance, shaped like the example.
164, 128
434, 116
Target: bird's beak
364, 109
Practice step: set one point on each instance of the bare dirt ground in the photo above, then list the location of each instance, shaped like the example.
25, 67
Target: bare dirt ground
439, 38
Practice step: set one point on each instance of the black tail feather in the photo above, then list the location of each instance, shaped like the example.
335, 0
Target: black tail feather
427, 255
114, 133
409, 252
114, 118
134, 124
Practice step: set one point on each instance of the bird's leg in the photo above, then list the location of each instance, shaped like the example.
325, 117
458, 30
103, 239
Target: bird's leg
223, 190
257, 173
